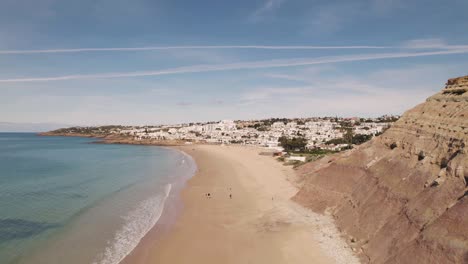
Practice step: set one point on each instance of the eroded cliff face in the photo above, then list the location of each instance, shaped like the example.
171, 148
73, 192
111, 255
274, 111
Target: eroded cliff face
402, 197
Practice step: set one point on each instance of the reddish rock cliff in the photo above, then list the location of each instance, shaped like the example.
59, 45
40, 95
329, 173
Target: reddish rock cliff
402, 197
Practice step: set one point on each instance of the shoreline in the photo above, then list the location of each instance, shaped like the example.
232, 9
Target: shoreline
114, 213
115, 139
279, 229
257, 224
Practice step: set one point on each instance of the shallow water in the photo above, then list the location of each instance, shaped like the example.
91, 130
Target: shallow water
64, 200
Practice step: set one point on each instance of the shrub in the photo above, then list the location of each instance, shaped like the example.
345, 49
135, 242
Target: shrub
347, 147
421, 155
358, 139
444, 163
393, 145
313, 158
293, 144
294, 163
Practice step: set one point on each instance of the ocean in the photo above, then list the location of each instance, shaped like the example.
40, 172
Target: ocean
66, 200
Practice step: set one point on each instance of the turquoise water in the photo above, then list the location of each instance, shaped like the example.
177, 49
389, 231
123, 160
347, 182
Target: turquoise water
65, 200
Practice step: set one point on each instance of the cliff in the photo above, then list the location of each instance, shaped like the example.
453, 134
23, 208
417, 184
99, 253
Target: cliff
402, 197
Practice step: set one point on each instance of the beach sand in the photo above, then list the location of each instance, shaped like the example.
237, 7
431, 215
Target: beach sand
248, 216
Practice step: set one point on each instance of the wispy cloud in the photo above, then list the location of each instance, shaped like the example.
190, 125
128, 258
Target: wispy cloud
268, 93
267, 47
433, 43
334, 16
267, 8
242, 66
380, 91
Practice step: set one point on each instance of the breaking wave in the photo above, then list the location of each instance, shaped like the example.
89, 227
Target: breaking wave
138, 223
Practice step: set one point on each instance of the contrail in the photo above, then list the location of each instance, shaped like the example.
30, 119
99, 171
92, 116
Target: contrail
38, 51
241, 66
264, 47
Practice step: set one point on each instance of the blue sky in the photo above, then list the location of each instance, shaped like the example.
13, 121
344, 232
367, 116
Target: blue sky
167, 61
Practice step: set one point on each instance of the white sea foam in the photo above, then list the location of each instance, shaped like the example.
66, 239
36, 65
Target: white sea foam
138, 223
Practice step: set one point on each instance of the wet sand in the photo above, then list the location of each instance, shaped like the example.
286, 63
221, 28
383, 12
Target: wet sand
237, 209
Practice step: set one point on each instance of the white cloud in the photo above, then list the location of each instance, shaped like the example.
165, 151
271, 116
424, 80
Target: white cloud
266, 47
388, 91
321, 101
198, 51
434, 43
323, 92
306, 75
334, 16
267, 8
265, 93
200, 55
242, 66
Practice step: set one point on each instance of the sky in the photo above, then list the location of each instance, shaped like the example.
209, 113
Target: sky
142, 62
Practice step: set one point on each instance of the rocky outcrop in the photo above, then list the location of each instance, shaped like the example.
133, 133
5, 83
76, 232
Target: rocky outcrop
114, 138
402, 197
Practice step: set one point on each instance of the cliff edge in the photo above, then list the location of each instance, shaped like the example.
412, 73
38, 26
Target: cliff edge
402, 197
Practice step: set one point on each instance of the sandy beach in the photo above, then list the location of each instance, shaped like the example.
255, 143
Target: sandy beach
237, 209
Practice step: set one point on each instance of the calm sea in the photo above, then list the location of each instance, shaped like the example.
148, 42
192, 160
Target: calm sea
65, 200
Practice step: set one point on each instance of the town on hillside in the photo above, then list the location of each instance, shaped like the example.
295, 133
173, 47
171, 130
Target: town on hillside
324, 133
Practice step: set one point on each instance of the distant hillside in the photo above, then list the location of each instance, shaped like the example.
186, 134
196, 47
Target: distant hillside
402, 197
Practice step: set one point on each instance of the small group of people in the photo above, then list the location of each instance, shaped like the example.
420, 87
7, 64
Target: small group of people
208, 195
